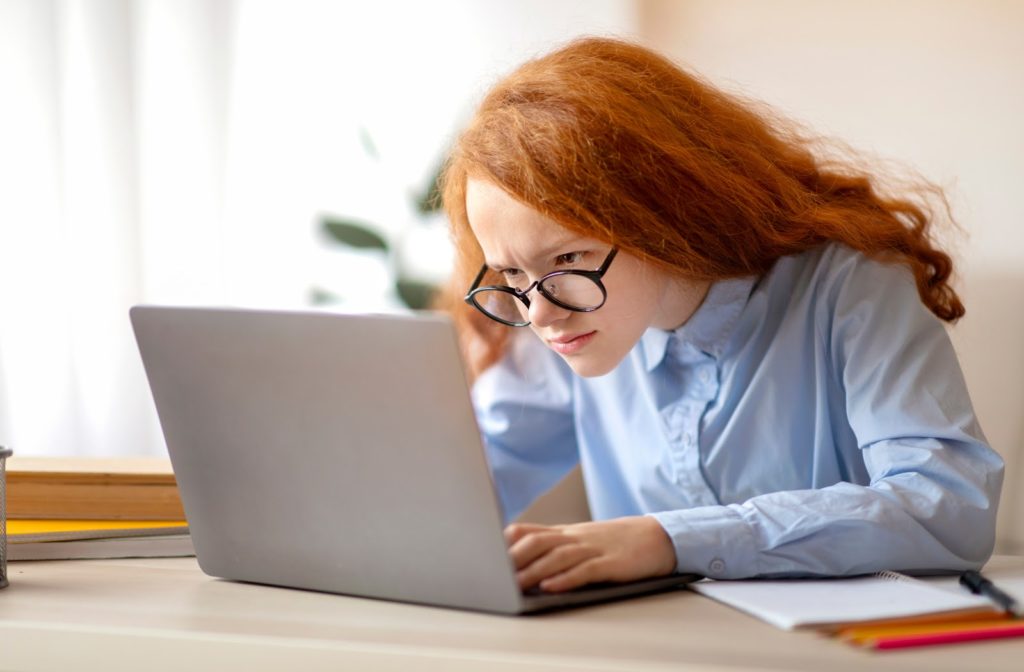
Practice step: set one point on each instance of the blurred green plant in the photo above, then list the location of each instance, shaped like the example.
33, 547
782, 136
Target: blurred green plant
359, 235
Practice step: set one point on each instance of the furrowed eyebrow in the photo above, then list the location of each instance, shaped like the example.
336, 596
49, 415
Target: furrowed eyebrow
547, 254
498, 268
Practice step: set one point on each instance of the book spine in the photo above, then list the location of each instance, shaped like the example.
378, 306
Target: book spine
95, 502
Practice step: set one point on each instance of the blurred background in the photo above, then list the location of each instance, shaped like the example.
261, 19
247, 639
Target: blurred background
280, 153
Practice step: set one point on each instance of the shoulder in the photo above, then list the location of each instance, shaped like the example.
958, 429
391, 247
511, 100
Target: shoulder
830, 269
870, 309
844, 268
835, 294
834, 279
854, 284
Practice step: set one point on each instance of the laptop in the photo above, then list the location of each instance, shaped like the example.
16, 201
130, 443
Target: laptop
336, 453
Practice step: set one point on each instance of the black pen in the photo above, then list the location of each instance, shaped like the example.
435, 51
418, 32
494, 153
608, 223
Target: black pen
979, 585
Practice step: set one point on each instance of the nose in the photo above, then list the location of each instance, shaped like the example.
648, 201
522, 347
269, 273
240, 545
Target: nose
543, 312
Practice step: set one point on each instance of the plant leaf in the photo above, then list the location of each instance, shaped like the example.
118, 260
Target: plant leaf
415, 294
321, 297
354, 234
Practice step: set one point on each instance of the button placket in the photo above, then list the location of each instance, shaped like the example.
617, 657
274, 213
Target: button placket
682, 432
698, 382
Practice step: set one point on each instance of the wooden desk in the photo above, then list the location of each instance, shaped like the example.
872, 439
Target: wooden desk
165, 614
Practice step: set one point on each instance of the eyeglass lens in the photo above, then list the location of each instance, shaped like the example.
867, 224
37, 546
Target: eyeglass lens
501, 305
571, 290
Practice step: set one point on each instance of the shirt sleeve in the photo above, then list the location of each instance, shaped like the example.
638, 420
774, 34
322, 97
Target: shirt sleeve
934, 485
525, 411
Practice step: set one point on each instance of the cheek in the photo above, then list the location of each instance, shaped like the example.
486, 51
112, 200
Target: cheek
636, 302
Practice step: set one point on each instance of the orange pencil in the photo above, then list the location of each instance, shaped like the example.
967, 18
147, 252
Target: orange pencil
869, 634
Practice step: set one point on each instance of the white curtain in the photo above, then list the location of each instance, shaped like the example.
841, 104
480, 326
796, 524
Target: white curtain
181, 151
69, 382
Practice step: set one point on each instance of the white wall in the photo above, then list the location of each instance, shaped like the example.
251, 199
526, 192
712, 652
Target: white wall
937, 85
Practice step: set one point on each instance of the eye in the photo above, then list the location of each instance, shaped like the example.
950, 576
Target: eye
569, 259
511, 274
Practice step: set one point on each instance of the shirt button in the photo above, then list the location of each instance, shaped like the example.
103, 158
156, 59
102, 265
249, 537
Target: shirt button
716, 566
688, 440
705, 376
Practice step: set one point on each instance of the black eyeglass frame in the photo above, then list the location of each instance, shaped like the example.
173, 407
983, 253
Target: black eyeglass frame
594, 276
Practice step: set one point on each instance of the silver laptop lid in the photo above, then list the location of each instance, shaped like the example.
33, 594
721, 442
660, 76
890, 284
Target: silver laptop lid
329, 452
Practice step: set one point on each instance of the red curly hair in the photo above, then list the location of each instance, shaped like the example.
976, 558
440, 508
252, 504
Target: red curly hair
617, 143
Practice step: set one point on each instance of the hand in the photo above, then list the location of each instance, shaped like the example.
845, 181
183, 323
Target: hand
563, 557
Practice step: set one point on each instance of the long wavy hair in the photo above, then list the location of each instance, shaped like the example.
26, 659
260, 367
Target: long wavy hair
619, 144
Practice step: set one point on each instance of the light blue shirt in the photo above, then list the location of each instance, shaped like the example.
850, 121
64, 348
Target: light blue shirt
814, 421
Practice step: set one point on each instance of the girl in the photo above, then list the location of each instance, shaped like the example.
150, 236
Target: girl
739, 340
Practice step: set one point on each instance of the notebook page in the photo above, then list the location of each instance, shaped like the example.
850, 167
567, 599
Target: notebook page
796, 603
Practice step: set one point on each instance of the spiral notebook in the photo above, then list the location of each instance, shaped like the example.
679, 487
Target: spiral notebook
831, 603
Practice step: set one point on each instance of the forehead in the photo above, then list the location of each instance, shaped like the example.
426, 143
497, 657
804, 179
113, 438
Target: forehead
507, 229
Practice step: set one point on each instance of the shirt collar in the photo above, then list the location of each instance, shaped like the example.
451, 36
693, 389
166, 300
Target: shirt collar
707, 329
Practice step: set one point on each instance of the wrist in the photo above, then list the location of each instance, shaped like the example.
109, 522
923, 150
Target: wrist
662, 550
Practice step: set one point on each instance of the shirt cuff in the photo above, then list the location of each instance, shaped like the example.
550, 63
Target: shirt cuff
711, 540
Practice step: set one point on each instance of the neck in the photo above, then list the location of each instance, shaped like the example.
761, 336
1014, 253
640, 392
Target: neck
682, 299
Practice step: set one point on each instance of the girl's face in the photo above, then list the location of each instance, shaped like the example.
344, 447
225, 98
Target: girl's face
518, 241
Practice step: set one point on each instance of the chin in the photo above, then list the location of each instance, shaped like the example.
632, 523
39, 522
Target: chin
590, 367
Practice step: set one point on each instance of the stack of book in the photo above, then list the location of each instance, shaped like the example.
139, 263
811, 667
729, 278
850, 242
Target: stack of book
74, 508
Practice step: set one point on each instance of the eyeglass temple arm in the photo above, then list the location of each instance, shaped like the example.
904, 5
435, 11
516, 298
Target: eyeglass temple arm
476, 282
608, 261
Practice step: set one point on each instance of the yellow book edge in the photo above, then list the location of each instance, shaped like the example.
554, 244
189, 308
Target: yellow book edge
29, 530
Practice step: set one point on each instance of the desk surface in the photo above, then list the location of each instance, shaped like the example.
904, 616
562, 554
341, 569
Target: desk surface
165, 614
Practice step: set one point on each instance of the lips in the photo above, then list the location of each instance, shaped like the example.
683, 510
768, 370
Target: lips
568, 345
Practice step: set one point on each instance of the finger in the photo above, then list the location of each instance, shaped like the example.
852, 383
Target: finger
580, 574
516, 531
534, 545
559, 560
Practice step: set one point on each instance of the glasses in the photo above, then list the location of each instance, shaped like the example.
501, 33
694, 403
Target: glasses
579, 291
